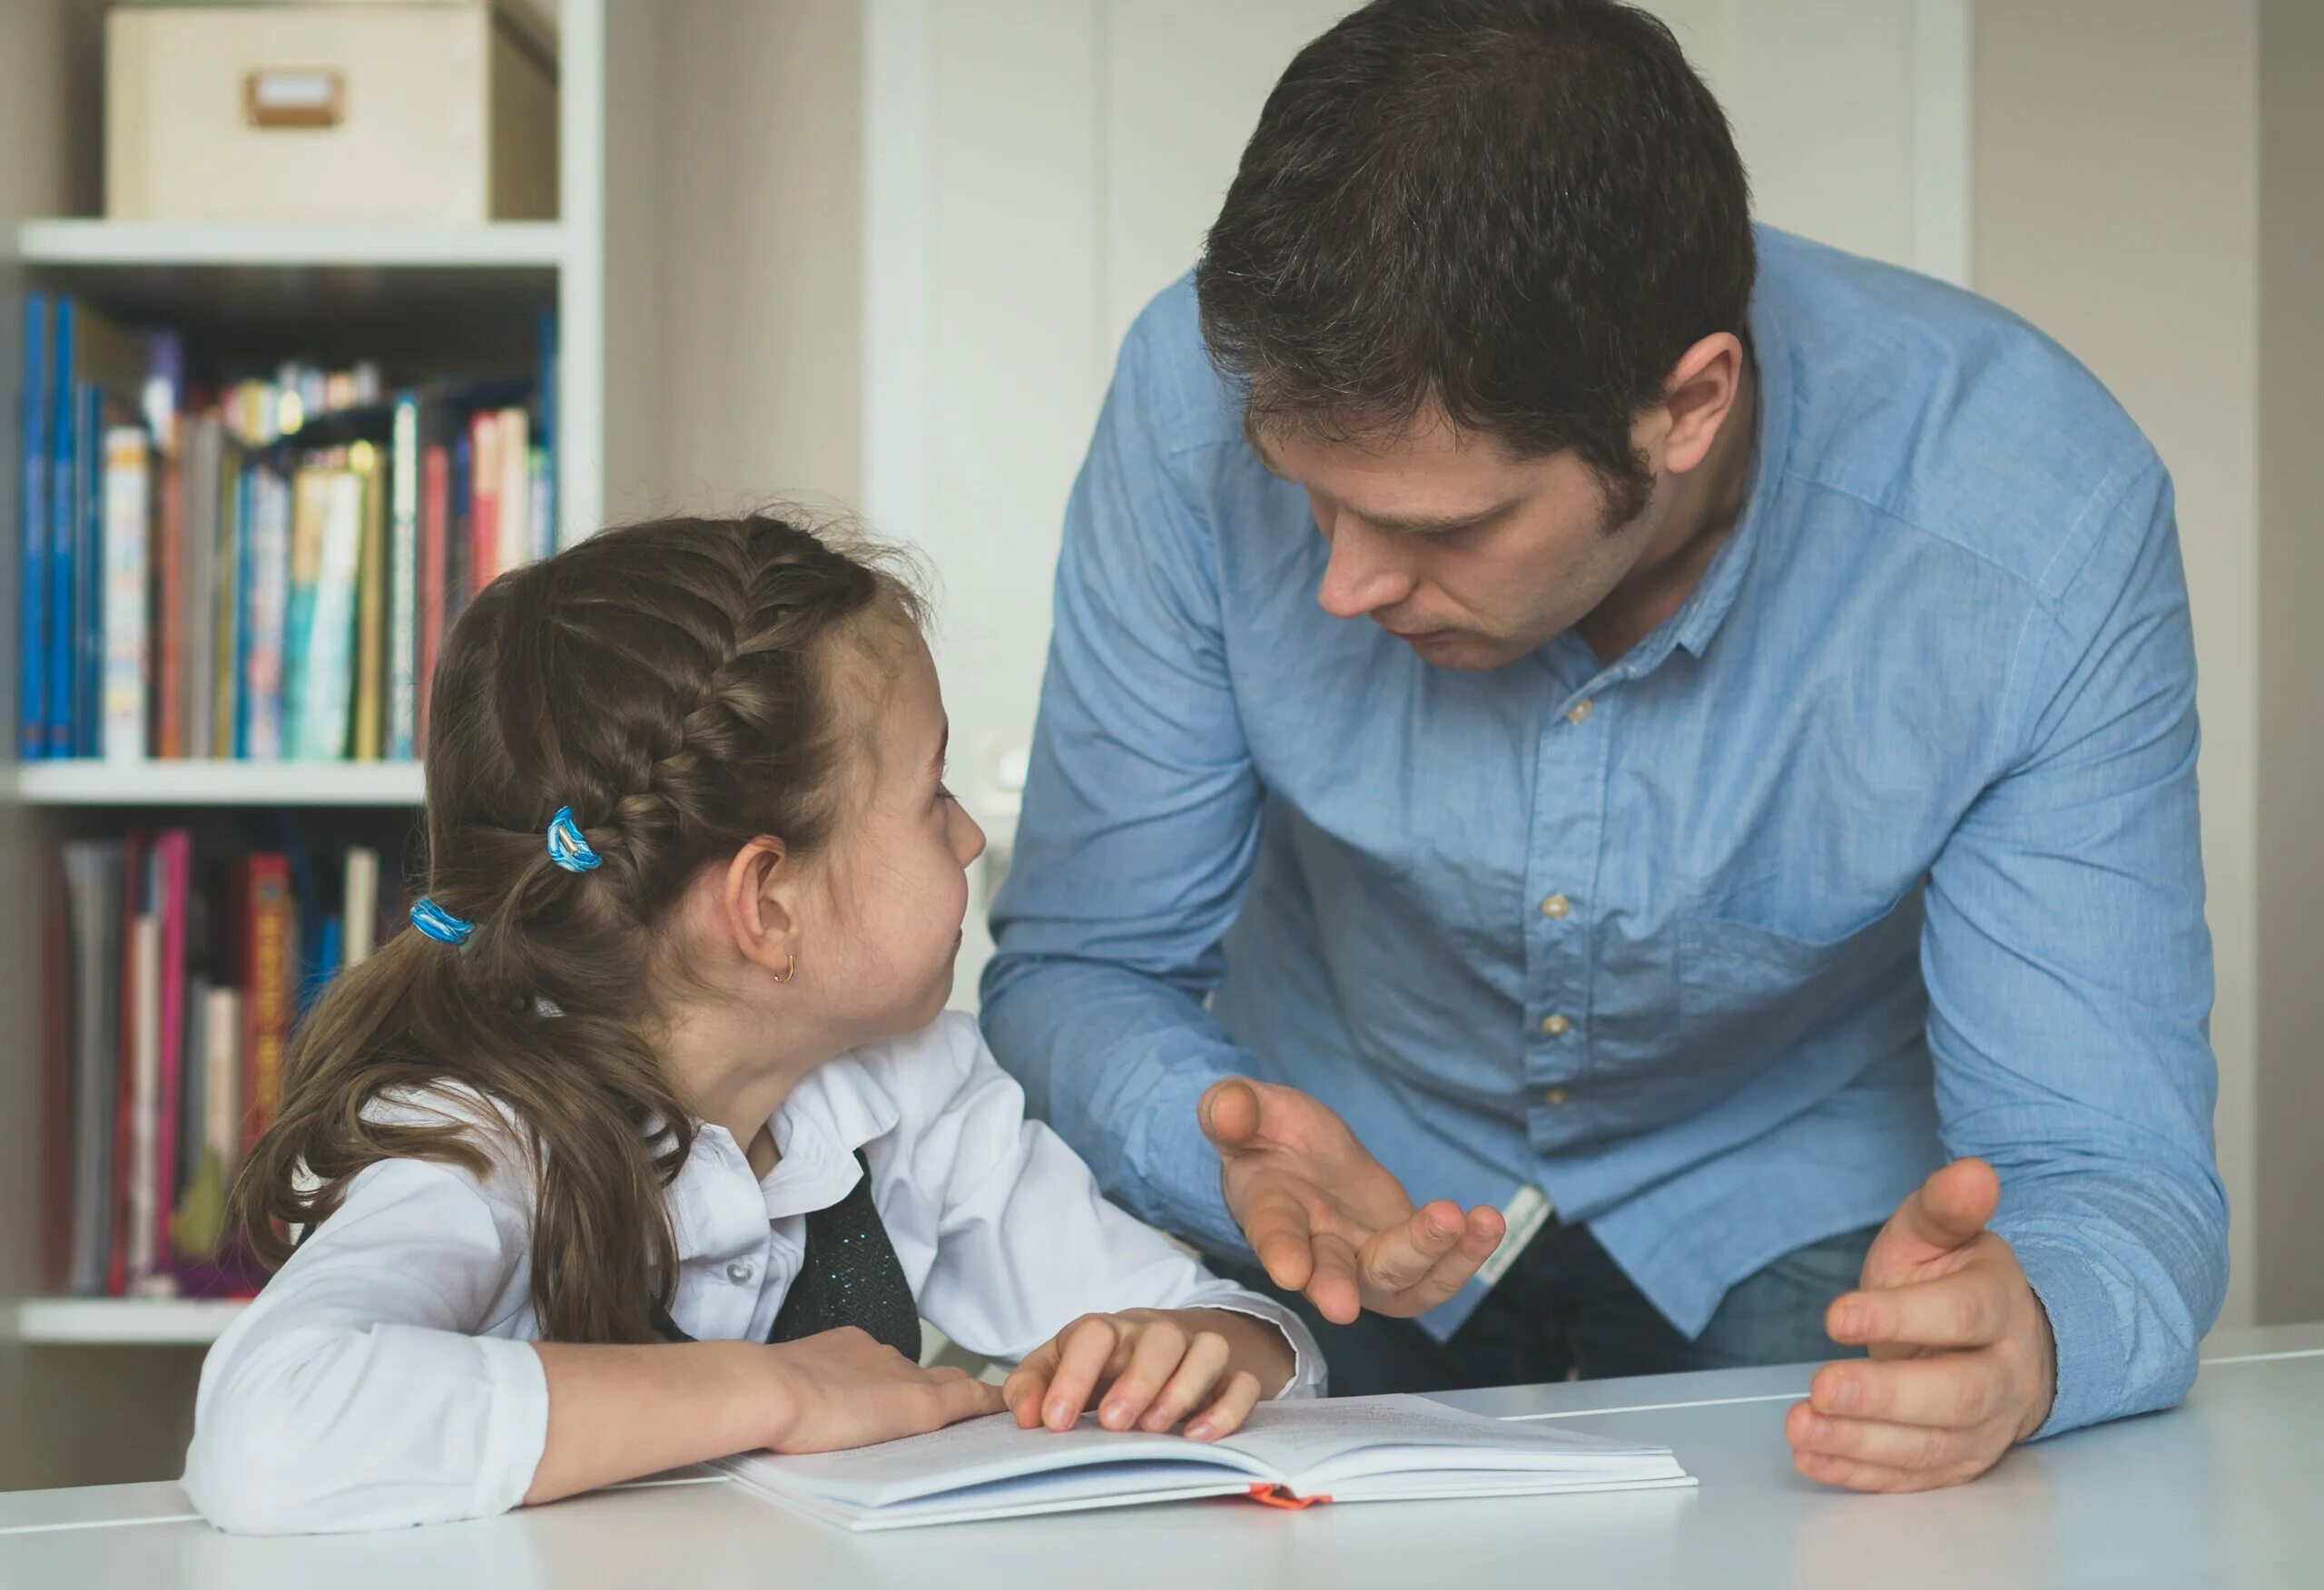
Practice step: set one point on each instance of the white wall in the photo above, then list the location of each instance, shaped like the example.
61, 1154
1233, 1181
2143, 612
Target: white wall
2117, 208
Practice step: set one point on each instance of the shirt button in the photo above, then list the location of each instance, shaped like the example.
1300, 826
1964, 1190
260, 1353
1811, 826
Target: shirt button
1578, 711
1557, 1027
739, 1272
1556, 907
1555, 1098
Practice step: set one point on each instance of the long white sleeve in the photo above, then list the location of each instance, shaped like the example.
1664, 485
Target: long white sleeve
360, 1390
1025, 1243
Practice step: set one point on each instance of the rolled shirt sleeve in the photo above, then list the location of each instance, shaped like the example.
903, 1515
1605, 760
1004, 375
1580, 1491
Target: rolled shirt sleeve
357, 1392
2069, 972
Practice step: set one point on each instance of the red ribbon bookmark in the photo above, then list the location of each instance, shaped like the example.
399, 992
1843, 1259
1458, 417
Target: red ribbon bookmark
1276, 1495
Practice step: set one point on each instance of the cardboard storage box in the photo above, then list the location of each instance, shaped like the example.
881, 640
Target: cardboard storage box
415, 111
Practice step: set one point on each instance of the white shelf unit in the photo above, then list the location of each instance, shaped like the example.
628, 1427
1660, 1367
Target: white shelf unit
128, 1415
124, 1321
174, 244
216, 783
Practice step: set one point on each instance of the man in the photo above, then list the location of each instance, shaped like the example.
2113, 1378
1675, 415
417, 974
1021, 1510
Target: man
1678, 739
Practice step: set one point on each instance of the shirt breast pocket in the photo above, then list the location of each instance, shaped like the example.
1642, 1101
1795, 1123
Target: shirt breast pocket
1753, 992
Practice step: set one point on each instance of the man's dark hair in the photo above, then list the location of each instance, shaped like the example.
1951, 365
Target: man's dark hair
1524, 211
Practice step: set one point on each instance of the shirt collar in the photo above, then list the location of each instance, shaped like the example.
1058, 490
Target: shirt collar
836, 1109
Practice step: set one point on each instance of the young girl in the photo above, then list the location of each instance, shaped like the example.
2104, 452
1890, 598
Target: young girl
648, 1143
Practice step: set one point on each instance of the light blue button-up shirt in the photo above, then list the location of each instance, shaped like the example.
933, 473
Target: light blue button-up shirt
1881, 850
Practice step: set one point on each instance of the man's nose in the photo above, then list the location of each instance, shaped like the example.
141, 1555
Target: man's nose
1363, 574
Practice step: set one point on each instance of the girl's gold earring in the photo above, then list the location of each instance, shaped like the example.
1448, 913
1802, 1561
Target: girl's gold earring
789, 969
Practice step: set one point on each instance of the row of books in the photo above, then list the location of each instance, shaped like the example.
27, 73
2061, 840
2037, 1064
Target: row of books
184, 976
262, 571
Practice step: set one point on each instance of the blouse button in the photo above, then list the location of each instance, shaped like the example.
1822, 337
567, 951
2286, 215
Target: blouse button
738, 1271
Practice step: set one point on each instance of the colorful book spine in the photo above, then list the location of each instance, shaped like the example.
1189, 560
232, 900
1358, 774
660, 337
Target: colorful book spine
360, 903
128, 507
270, 930
172, 854
32, 610
142, 1204
435, 531
370, 608
231, 730
544, 520
269, 544
63, 535
484, 501
327, 673
221, 1053
126, 950
88, 579
309, 522
514, 501
404, 584
168, 676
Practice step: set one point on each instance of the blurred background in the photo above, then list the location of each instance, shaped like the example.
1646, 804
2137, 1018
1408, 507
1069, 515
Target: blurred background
331, 308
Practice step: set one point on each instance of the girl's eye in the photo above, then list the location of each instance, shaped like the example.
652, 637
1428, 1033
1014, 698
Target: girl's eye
944, 794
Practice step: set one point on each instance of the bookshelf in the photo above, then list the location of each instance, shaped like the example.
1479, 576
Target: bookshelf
215, 783
80, 1416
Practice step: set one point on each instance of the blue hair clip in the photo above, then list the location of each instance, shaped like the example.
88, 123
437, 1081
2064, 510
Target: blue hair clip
566, 848
439, 924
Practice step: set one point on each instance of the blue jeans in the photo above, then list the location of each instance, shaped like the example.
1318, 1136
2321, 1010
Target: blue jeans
1565, 1311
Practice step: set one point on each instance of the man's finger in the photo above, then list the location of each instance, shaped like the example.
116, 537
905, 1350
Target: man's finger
1332, 1287
1952, 1207
1915, 1448
1229, 1113
1481, 1234
1852, 1475
1955, 1390
1276, 1224
1400, 1256
1965, 1309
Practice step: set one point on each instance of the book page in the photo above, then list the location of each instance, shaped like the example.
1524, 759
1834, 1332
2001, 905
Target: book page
975, 1452
1406, 1432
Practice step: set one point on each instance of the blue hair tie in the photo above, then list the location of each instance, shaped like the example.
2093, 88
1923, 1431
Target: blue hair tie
566, 848
439, 924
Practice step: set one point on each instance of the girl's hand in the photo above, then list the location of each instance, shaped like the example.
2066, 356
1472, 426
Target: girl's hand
1154, 1367
841, 1389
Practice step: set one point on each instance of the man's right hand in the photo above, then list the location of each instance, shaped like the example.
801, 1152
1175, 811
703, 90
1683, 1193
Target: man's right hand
1326, 1218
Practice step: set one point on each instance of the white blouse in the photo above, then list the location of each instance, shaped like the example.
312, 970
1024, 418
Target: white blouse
383, 1376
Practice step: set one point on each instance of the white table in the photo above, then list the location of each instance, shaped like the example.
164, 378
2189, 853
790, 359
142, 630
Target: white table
2225, 1490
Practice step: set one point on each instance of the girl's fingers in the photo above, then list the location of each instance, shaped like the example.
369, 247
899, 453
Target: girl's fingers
1085, 1348
1029, 1382
1206, 1360
1225, 1416
1154, 1353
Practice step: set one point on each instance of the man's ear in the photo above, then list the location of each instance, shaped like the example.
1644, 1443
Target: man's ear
760, 904
1699, 395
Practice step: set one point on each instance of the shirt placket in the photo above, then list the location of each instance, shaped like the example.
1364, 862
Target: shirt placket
1563, 873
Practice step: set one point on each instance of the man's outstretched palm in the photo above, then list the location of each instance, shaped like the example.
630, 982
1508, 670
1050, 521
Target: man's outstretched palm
1326, 1218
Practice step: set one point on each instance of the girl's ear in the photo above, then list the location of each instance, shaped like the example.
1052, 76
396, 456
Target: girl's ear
761, 901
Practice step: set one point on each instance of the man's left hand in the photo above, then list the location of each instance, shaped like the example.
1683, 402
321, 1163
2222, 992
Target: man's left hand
1963, 1366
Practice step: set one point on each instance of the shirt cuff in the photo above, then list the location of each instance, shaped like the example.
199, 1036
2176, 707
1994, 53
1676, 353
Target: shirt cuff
1307, 1370
516, 1430
2092, 1361
1177, 1168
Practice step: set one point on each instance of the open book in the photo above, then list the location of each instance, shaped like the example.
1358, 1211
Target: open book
1287, 1454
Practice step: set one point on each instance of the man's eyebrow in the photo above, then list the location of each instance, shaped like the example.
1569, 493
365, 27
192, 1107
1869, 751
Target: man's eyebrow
943, 746
1436, 524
